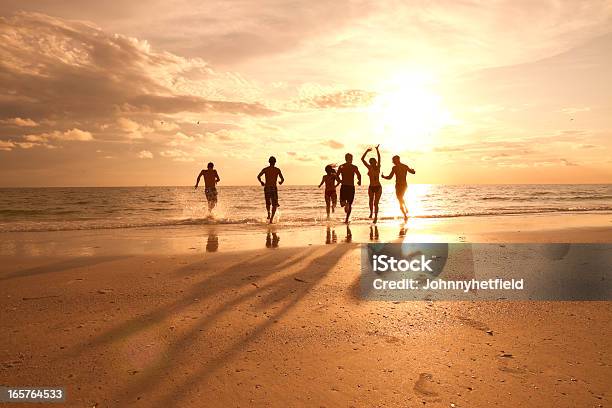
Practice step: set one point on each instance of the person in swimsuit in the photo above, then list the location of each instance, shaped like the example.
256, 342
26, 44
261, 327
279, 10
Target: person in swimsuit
330, 179
211, 178
272, 173
400, 170
347, 172
375, 188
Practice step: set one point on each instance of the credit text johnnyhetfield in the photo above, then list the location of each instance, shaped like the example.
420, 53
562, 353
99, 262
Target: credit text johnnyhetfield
384, 263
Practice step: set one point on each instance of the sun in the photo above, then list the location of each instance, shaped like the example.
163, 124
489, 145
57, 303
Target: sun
407, 114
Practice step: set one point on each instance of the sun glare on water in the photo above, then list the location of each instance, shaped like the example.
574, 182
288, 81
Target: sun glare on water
407, 114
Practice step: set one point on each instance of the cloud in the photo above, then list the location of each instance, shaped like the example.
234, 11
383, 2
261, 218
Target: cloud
258, 30
20, 122
448, 149
578, 109
333, 144
185, 103
304, 158
165, 126
306, 82
132, 129
127, 125
368, 32
515, 152
299, 157
172, 153
568, 163
62, 70
338, 100
269, 127
181, 139
145, 154
224, 134
233, 135
26, 145
68, 135
177, 155
6, 146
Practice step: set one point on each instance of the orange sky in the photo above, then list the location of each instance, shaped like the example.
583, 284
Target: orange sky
135, 93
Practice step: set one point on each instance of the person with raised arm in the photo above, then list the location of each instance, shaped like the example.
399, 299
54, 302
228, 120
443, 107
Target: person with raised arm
400, 171
375, 188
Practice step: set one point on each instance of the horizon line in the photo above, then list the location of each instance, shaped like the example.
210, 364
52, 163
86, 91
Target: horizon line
311, 185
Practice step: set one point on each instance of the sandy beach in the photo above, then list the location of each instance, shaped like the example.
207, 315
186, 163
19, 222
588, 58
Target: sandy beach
353, 203
283, 325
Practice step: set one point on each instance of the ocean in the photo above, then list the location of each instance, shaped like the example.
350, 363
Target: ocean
62, 209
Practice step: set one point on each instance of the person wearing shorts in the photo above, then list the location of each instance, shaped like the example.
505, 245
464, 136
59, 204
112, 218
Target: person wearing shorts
211, 195
271, 196
347, 173
272, 174
211, 178
347, 195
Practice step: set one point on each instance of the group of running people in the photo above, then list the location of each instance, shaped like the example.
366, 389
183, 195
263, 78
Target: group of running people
343, 177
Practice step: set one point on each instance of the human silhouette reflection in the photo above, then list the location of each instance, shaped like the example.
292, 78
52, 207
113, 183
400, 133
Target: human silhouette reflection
272, 239
402, 231
330, 236
212, 243
374, 233
349, 235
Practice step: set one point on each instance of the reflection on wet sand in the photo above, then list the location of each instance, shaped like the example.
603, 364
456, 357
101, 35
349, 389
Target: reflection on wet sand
272, 239
330, 236
402, 231
212, 243
374, 233
349, 235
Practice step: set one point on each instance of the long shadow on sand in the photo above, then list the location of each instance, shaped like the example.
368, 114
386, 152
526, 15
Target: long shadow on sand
202, 290
60, 266
282, 288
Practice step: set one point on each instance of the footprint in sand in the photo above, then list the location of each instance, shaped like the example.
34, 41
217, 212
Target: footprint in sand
424, 384
506, 367
475, 324
392, 339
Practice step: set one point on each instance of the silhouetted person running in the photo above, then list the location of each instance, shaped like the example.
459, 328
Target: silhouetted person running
331, 181
375, 188
270, 189
347, 173
211, 178
400, 170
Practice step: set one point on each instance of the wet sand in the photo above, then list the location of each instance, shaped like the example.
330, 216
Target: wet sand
209, 238
282, 325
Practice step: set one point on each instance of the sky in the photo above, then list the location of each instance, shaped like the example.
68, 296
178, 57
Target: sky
120, 93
